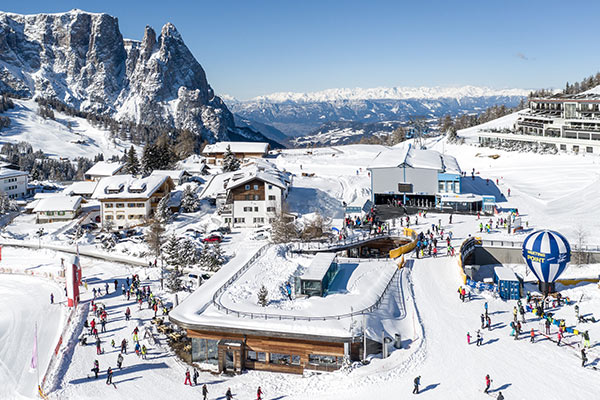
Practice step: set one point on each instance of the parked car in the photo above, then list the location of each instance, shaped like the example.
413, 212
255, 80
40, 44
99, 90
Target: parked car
213, 238
223, 229
90, 226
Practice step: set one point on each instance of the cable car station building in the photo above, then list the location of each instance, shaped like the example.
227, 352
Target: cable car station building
414, 177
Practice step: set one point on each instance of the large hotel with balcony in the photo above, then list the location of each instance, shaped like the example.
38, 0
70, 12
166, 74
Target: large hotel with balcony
571, 123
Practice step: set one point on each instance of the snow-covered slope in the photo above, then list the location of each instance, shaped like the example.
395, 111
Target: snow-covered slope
65, 136
82, 59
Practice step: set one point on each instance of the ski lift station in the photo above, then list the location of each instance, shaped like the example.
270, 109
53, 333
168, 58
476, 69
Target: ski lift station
413, 176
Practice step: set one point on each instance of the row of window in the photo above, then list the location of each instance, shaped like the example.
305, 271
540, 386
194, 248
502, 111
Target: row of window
12, 187
448, 187
122, 216
242, 220
122, 205
51, 213
588, 149
291, 359
249, 209
7, 180
255, 187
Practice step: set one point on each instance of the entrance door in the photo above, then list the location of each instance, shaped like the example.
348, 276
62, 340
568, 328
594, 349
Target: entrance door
229, 365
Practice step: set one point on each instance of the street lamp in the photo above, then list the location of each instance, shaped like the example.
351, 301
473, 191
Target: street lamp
40, 232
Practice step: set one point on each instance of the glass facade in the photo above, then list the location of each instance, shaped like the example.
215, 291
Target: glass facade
320, 359
205, 350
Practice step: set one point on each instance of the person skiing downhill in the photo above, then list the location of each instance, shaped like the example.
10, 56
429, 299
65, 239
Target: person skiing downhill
187, 377
488, 382
417, 382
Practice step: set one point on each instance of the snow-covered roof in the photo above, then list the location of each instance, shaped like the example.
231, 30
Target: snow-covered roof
58, 203
505, 274
244, 175
236, 147
80, 188
10, 173
172, 173
415, 158
104, 168
318, 267
128, 187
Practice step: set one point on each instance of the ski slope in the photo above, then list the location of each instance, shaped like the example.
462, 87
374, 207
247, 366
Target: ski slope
25, 301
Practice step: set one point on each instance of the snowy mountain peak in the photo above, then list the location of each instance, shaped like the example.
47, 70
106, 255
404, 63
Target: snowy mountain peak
385, 93
81, 59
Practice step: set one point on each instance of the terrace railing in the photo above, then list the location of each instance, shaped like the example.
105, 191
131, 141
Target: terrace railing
271, 316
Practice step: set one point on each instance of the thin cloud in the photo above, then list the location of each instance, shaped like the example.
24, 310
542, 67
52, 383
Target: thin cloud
523, 57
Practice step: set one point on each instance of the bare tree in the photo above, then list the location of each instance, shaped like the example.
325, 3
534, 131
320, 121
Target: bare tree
579, 256
283, 229
316, 228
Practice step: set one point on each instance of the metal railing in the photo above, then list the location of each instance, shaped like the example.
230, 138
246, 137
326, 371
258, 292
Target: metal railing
340, 244
510, 243
216, 298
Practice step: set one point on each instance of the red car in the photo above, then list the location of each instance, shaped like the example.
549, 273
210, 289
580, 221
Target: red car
212, 238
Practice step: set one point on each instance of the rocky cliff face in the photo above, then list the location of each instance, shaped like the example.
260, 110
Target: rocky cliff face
82, 59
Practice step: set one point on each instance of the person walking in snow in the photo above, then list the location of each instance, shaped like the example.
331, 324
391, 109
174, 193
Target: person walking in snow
127, 314
559, 336
228, 395
468, 338
103, 324
485, 307
482, 321
583, 358
98, 349
586, 339
259, 393
195, 376
479, 338
109, 374
547, 326
51, 298
120, 361
96, 369
500, 396
106, 287
488, 382
204, 392
124, 346
187, 377
145, 351
417, 382
489, 323
532, 335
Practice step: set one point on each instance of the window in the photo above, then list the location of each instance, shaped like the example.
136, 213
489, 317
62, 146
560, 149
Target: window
247, 209
256, 197
61, 213
228, 220
120, 216
270, 187
441, 186
140, 205
576, 149
282, 359
319, 359
247, 197
239, 220
49, 212
108, 217
255, 187
206, 350
255, 209
563, 147
131, 205
108, 205
270, 209
271, 197
247, 187
131, 216
120, 205
295, 360
589, 150
259, 220
256, 356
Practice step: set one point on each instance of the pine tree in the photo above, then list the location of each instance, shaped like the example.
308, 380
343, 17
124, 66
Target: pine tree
230, 161
189, 199
132, 164
174, 279
188, 253
171, 251
163, 211
149, 159
263, 294
217, 258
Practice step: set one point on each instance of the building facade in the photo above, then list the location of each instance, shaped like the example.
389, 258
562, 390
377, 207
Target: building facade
103, 169
57, 208
568, 123
215, 153
413, 176
13, 183
126, 201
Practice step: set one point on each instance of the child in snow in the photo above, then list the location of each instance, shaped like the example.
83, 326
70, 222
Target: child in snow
468, 338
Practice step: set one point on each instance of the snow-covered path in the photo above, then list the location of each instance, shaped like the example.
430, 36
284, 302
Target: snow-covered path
25, 301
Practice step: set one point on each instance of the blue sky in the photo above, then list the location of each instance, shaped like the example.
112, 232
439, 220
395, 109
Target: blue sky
249, 48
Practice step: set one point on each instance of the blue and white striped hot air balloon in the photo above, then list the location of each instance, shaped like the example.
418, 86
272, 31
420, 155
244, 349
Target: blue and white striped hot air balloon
547, 254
